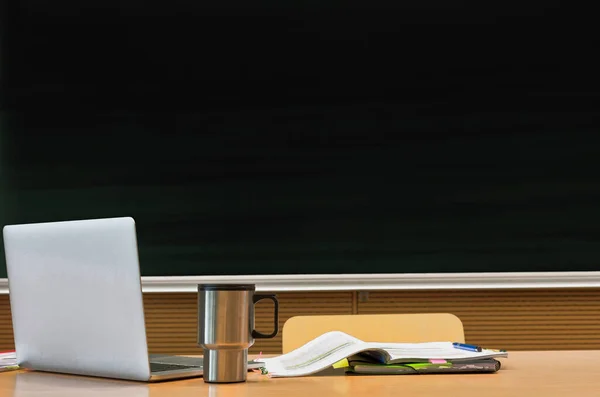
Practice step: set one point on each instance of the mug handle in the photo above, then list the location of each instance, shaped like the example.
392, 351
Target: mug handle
255, 333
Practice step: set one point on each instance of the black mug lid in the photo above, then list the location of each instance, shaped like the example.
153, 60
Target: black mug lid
226, 287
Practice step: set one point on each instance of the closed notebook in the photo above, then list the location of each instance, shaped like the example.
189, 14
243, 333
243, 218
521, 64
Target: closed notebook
489, 365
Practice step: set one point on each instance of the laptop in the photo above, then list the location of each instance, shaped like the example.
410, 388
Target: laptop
76, 301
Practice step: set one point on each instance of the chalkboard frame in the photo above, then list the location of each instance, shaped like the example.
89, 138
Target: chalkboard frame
367, 282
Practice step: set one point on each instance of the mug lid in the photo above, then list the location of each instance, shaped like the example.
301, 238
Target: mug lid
226, 287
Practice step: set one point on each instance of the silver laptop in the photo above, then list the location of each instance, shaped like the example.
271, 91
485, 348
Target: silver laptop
76, 300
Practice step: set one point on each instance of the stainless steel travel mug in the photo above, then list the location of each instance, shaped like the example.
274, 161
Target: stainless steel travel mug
226, 329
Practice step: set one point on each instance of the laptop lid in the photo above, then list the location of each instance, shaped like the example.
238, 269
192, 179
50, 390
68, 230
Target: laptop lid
76, 299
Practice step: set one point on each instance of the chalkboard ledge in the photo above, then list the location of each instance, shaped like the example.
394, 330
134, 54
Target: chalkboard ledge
354, 282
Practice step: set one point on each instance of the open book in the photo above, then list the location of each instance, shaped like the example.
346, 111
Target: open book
8, 361
341, 349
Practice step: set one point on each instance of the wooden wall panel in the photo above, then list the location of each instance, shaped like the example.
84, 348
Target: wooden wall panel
171, 318
507, 319
295, 304
6, 329
511, 319
171, 323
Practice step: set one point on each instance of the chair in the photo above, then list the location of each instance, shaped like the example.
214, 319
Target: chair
410, 328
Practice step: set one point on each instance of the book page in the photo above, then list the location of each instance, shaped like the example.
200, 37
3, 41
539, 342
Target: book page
412, 352
314, 356
8, 361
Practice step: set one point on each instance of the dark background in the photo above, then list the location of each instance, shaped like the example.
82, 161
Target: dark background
309, 137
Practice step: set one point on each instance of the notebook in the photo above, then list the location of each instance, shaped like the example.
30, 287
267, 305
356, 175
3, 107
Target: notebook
486, 365
340, 350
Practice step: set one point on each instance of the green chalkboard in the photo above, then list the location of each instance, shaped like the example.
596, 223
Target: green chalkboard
309, 137
256, 205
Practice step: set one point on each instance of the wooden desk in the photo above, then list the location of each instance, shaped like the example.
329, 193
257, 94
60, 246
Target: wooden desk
566, 373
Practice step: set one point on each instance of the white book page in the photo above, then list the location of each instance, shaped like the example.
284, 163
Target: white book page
8, 359
432, 350
316, 355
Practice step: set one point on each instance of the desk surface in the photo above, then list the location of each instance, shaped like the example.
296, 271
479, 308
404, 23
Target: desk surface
560, 373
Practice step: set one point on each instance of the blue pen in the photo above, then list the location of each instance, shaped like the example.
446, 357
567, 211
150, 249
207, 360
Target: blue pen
465, 346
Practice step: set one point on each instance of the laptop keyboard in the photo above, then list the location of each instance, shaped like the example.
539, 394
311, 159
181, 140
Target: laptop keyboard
161, 367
